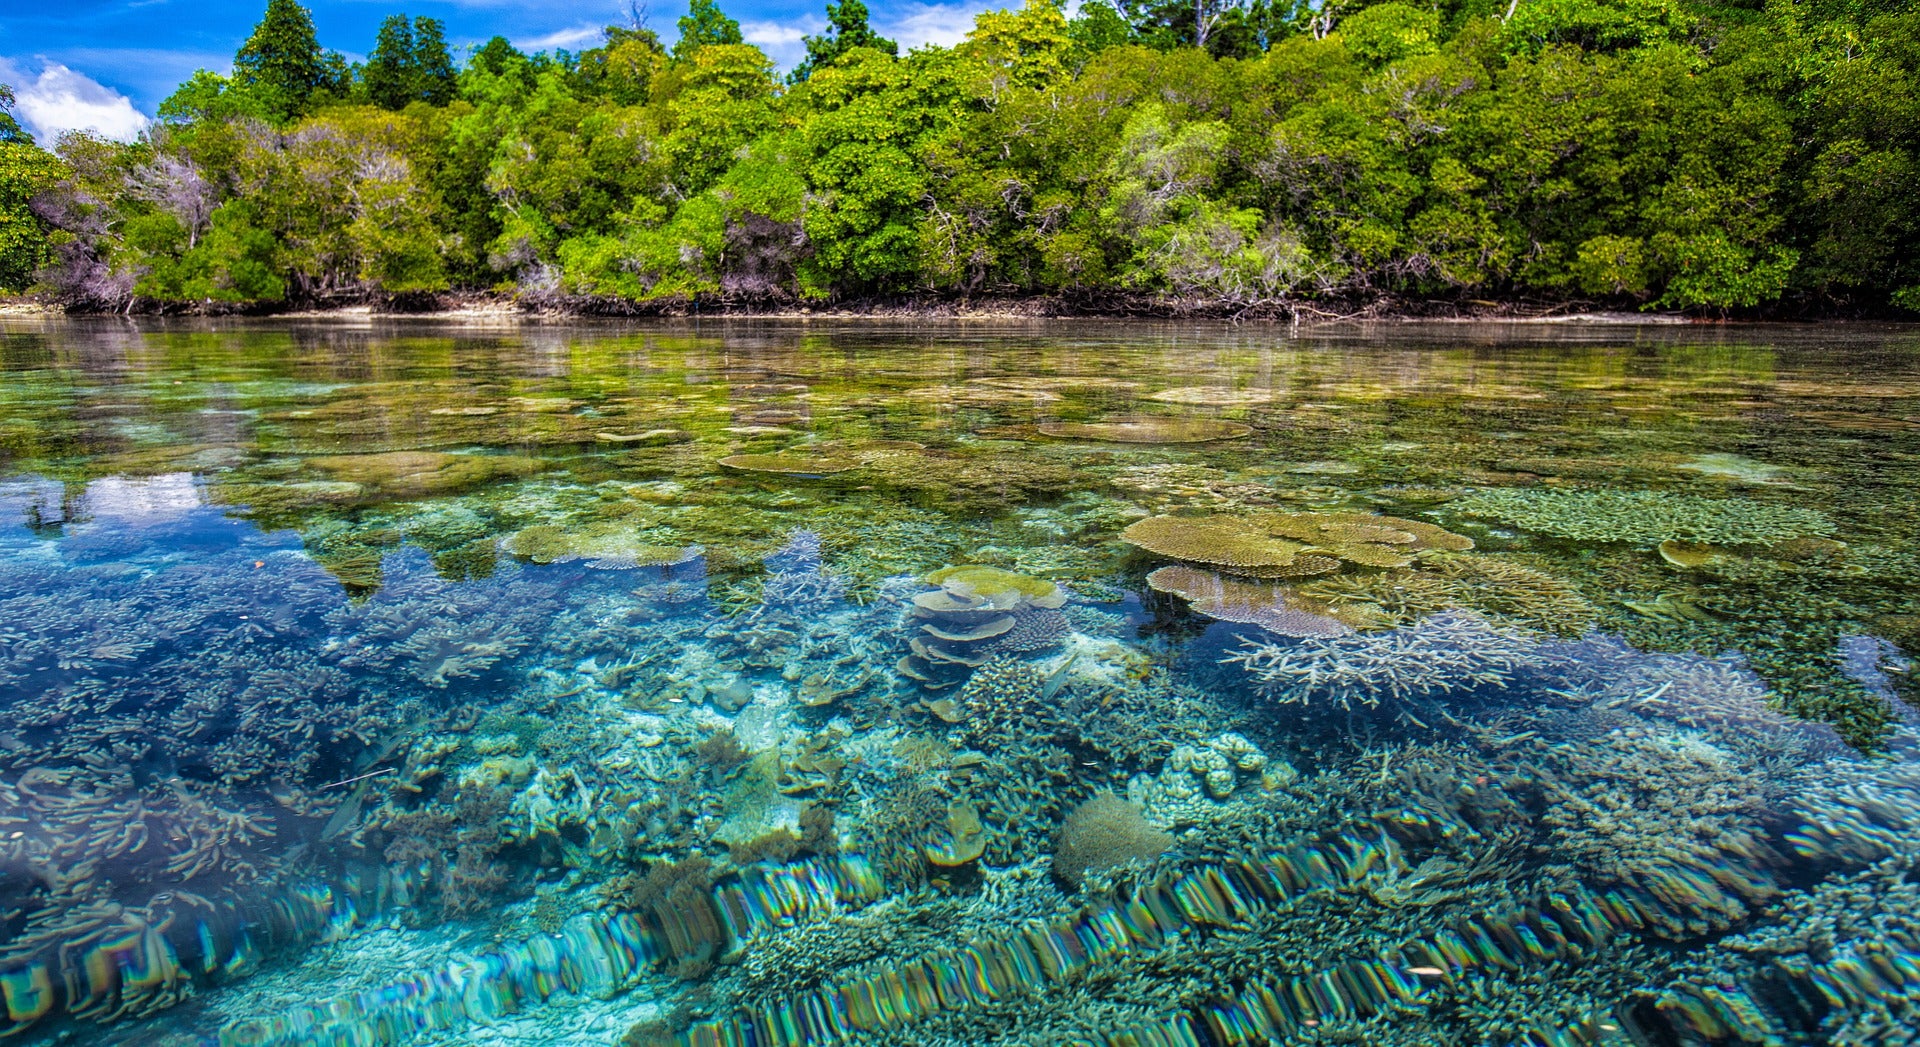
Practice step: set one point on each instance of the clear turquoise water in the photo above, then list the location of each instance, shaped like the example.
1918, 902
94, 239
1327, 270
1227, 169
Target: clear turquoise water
1024, 684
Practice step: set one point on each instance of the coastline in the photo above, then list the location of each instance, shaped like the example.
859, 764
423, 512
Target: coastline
494, 307
491, 307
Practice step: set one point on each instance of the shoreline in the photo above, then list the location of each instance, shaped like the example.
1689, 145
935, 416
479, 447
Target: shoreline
481, 308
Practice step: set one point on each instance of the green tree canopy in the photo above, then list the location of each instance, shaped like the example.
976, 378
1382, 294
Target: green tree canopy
409, 64
703, 24
847, 29
281, 64
10, 129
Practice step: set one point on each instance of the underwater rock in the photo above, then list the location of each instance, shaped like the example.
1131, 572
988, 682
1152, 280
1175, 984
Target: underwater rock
961, 839
1644, 517
1149, 430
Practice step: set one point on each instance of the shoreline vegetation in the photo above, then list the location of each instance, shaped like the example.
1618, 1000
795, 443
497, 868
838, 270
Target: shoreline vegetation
1225, 159
458, 306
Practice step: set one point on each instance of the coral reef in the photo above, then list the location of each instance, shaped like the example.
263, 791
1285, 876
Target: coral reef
794, 465
1277, 609
1499, 588
1147, 429
610, 546
1441, 654
1289, 545
1104, 833
412, 474
1644, 517
975, 613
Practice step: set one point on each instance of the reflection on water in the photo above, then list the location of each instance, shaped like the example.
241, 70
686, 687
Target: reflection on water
1040, 685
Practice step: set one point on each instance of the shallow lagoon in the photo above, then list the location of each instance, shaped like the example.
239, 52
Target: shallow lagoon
1035, 684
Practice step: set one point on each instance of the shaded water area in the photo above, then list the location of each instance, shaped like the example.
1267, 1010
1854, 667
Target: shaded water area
1036, 684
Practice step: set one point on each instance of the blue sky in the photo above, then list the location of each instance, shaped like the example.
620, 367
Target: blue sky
106, 64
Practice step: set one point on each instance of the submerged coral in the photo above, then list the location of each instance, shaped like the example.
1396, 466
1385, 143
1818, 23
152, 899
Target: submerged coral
1102, 834
1289, 545
1149, 430
613, 546
1645, 517
1274, 608
1440, 654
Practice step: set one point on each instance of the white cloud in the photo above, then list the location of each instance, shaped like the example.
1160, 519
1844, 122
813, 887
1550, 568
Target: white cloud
567, 38
915, 24
60, 99
782, 41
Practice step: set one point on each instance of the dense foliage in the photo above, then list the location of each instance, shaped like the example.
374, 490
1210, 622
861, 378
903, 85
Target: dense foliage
1676, 153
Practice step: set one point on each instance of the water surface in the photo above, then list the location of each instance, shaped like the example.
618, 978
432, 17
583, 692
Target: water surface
1026, 684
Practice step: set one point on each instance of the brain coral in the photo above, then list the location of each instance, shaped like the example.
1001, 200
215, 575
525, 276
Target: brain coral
1103, 834
1644, 517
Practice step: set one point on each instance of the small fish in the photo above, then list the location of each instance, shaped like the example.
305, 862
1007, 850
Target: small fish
1059, 676
1427, 972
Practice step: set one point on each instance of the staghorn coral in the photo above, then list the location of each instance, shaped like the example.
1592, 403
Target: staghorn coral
1668, 814
1840, 961
1644, 517
1440, 654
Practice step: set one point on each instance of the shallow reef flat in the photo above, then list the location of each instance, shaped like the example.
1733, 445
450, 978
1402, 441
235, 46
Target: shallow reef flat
1094, 684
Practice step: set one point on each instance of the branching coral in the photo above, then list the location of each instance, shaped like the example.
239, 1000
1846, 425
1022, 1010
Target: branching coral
1644, 517
1441, 654
1499, 588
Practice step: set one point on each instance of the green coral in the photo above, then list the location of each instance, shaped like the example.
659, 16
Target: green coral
1644, 517
611, 544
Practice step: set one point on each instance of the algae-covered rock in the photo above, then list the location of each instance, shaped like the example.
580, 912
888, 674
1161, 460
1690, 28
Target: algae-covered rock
611, 545
412, 474
1149, 430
